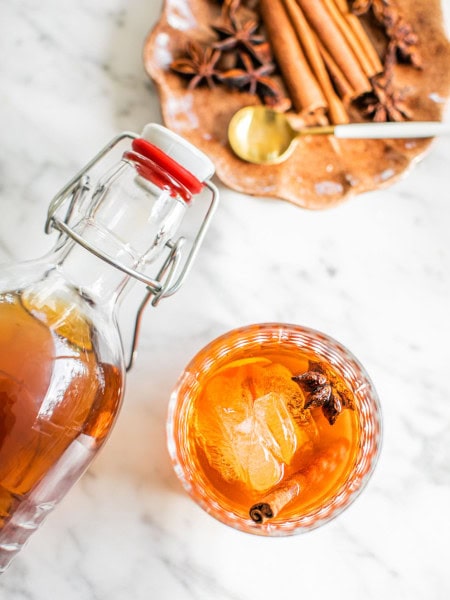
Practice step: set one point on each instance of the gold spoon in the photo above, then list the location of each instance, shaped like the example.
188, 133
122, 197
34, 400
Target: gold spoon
260, 135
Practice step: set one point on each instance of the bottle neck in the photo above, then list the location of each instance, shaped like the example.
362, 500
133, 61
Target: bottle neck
96, 279
129, 222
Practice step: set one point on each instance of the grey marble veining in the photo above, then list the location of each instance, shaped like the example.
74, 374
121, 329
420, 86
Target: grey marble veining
373, 273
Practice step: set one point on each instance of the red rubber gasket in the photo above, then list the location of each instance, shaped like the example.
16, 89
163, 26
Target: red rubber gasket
178, 172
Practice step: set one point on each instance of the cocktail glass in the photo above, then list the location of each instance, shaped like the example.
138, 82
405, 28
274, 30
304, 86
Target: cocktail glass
274, 429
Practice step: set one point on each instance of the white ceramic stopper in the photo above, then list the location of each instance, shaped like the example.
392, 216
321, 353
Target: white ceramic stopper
183, 152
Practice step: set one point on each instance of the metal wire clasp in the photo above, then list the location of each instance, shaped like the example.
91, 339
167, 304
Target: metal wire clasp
177, 262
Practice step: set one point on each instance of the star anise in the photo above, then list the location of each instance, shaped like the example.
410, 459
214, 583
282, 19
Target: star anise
402, 43
199, 64
332, 408
230, 6
317, 386
242, 36
361, 7
402, 38
384, 103
254, 78
323, 390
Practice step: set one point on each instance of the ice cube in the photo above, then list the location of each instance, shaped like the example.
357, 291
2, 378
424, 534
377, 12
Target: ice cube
277, 426
244, 425
262, 469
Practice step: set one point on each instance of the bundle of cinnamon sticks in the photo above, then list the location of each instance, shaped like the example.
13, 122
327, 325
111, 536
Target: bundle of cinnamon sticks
323, 52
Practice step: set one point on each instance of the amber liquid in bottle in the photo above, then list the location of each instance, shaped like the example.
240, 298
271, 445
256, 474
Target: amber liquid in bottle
57, 404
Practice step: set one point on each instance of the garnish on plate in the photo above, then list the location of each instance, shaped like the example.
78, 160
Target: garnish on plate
385, 103
250, 67
235, 35
402, 39
253, 77
325, 57
198, 64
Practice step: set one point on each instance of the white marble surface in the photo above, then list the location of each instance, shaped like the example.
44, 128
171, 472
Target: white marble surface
374, 273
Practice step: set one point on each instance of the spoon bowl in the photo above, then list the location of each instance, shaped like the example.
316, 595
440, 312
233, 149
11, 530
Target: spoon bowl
261, 135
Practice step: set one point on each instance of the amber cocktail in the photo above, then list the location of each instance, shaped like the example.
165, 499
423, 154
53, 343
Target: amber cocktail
274, 429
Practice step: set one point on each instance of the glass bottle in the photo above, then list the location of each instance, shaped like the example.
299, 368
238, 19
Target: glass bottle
62, 364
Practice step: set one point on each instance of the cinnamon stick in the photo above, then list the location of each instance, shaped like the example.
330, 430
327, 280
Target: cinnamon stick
304, 90
352, 40
367, 48
342, 5
335, 43
317, 473
360, 32
307, 39
271, 505
343, 86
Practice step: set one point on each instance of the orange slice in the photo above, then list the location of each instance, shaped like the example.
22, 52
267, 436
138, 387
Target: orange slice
243, 362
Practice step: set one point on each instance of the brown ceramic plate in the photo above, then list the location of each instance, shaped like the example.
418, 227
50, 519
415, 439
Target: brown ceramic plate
321, 172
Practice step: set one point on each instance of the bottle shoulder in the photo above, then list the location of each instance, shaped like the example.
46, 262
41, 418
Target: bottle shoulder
42, 296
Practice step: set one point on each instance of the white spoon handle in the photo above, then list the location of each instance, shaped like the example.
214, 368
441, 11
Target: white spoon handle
410, 129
